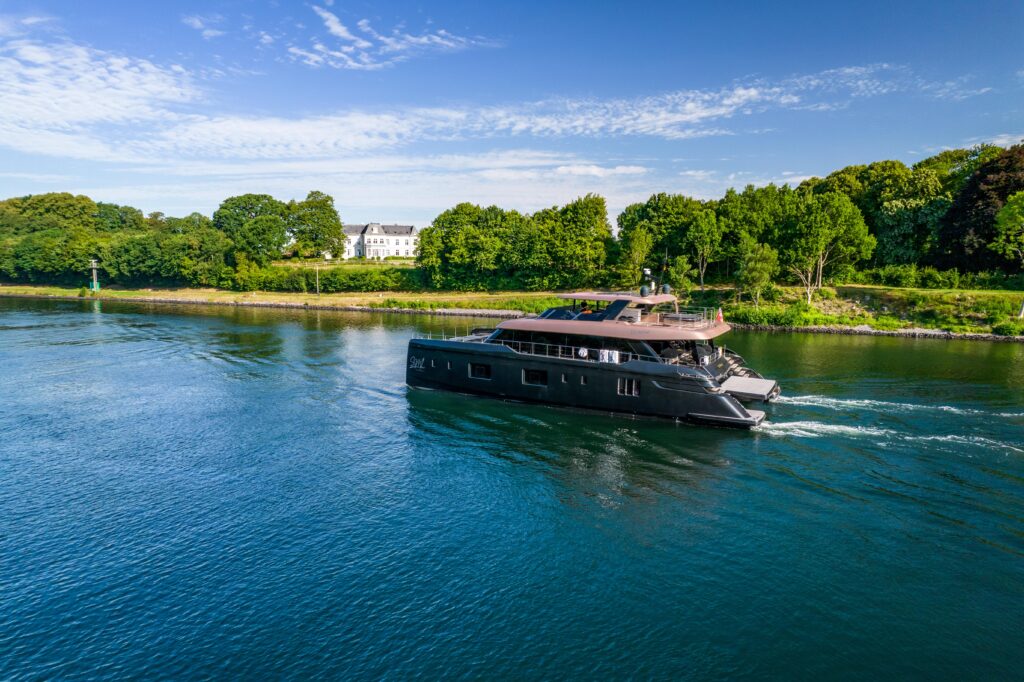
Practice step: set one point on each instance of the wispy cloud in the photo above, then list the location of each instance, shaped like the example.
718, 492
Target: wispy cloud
152, 121
395, 187
1001, 140
595, 171
366, 49
95, 89
956, 89
13, 26
204, 24
339, 30
101, 89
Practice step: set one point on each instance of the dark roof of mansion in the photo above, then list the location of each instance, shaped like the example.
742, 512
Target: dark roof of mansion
377, 228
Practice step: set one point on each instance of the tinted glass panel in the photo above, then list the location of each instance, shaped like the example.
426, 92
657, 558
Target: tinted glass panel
479, 371
535, 377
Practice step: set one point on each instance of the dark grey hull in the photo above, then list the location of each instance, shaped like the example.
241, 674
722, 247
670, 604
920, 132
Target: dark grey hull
634, 388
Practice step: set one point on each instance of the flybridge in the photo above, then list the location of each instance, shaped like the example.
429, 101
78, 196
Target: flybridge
626, 316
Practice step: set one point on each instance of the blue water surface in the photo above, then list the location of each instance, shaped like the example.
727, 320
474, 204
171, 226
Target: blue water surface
191, 492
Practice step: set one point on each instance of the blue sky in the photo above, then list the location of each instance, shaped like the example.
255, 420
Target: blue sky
401, 109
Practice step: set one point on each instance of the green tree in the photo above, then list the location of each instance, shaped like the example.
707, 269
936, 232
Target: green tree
64, 209
430, 256
114, 218
680, 276
315, 225
634, 255
828, 229
759, 263
970, 224
704, 237
911, 205
954, 167
261, 239
255, 223
1009, 239
666, 217
579, 244
190, 223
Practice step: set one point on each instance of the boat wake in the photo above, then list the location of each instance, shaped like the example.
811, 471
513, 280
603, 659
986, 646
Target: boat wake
885, 406
813, 429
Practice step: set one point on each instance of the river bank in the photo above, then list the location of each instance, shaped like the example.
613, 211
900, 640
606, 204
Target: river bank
454, 304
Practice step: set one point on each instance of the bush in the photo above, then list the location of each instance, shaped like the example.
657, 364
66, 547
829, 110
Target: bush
826, 294
930, 278
772, 294
1011, 327
332, 280
903, 276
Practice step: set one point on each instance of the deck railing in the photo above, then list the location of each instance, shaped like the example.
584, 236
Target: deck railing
691, 318
582, 353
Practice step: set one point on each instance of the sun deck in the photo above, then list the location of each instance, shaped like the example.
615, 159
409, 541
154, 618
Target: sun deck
626, 316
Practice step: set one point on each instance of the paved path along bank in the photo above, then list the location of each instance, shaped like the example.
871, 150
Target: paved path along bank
861, 330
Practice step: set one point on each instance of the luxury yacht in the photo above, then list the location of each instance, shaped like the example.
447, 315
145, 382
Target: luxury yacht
613, 352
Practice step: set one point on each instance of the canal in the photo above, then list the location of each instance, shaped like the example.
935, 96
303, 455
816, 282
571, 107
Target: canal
235, 492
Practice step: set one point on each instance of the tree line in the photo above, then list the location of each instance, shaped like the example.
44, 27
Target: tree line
960, 211
52, 237
937, 222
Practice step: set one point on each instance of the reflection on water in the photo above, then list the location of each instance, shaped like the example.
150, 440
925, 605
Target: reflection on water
214, 491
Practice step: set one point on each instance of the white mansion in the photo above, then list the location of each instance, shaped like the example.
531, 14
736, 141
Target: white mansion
374, 240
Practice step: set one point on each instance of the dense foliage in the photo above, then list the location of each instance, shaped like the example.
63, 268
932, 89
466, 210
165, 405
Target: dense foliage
473, 248
52, 238
954, 220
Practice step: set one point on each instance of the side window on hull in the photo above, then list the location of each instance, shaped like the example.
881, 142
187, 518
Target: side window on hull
479, 371
630, 387
535, 377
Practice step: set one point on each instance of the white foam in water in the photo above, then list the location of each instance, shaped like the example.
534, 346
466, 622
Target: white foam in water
812, 429
884, 406
968, 440
818, 429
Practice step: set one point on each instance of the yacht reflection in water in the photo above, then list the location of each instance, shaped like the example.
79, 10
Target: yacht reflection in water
627, 456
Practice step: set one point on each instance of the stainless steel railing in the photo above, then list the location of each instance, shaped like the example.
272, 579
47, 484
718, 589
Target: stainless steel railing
580, 353
583, 353
691, 318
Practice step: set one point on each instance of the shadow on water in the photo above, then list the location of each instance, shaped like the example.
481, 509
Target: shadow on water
627, 456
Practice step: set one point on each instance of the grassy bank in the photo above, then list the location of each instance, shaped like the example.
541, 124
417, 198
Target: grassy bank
874, 307
882, 308
529, 302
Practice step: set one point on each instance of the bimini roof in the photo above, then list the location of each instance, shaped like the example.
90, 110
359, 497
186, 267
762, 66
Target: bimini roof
618, 330
652, 299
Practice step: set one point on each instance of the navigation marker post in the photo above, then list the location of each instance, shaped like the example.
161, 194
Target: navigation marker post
95, 286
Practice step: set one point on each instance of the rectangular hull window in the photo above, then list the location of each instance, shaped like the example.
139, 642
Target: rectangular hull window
479, 371
630, 387
535, 377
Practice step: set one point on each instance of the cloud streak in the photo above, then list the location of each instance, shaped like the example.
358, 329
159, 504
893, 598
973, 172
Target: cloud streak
148, 120
370, 50
204, 24
155, 112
